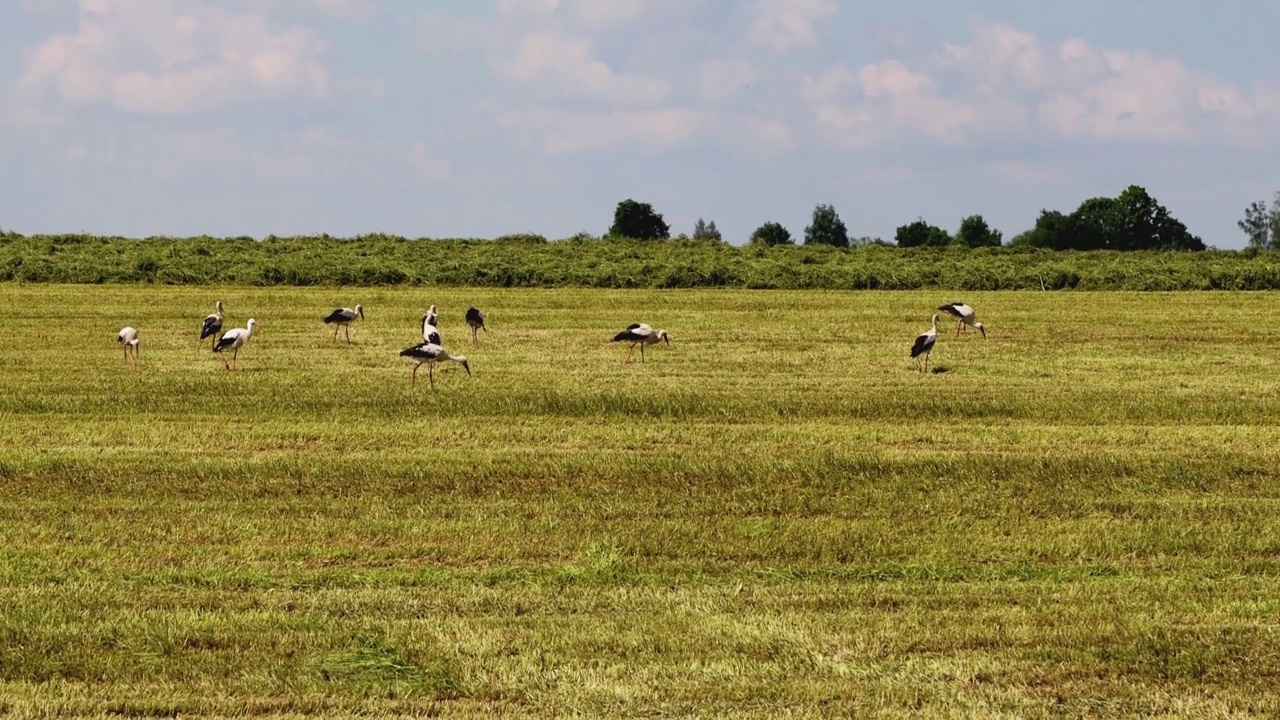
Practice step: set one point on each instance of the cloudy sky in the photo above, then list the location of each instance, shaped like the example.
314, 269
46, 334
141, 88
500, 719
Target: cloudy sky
476, 118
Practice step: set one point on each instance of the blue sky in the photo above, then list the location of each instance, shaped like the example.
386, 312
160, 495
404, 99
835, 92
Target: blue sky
478, 118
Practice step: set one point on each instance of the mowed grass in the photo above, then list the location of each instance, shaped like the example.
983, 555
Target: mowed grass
776, 515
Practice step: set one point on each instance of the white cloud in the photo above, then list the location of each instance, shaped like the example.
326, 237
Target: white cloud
286, 156
1007, 81
590, 15
722, 79
784, 25
571, 133
171, 57
345, 9
432, 168
1021, 173
568, 67
525, 9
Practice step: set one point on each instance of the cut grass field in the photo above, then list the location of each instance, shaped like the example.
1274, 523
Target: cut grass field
778, 513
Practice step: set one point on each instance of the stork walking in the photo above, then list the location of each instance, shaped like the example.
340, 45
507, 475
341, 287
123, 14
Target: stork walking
342, 317
640, 334
430, 354
475, 319
924, 344
965, 318
128, 339
233, 340
212, 324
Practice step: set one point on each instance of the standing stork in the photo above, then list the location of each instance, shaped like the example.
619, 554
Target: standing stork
475, 319
965, 316
640, 334
343, 317
924, 344
212, 324
233, 340
429, 354
430, 333
128, 339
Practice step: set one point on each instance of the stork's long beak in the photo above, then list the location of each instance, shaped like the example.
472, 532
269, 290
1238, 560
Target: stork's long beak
984, 332
666, 340
466, 366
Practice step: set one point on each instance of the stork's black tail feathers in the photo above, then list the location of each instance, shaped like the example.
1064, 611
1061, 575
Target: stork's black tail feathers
921, 344
211, 326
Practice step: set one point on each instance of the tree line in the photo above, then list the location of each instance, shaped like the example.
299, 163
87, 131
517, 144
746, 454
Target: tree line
1133, 220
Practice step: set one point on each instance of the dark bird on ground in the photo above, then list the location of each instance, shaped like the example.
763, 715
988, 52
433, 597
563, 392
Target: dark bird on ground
475, 319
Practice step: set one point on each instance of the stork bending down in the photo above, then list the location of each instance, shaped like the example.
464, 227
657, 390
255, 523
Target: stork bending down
640, 334
343, 317
128, 338
429, 354
965, 316
924, 344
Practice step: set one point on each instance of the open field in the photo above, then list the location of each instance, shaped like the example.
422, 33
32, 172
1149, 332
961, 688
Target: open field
1078, 516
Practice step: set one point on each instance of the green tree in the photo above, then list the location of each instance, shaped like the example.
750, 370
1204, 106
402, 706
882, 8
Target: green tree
1052, 230
1262, 224
638, 220
1133, 220
1094, 225
771, 233
1256, 225
706, 230
1274, 222
827, 228
974, 232
921, 233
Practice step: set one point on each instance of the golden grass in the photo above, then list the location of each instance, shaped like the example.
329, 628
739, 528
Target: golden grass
774, 515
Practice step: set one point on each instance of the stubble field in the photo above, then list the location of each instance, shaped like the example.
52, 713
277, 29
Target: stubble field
1076, 516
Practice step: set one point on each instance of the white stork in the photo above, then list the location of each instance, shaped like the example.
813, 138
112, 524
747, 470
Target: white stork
212, 324
233, 340
475, 319
429, 354
965, 316
343, 317
640, 334
924, 344
430, 333
128, 339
